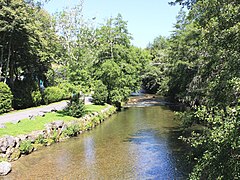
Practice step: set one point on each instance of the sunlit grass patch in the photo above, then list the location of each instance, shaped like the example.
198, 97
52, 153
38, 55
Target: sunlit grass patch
26, 126
95, 108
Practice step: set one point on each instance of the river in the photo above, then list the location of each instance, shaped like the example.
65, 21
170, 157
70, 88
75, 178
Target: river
137, 143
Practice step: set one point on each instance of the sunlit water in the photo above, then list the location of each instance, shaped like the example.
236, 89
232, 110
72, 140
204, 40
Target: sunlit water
137, 143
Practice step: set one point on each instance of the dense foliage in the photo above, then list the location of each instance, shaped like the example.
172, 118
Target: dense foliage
65, 51
197, 65
102, 59
75, 107
202, 72
26, 48
5, 98
53, 94
100, 95
154, 78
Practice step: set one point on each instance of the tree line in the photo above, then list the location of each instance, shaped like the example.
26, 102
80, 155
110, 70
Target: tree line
64, 50
198, 65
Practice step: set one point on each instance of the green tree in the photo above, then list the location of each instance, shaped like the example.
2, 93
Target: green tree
26, 40
119, 65
204, 57
155, 79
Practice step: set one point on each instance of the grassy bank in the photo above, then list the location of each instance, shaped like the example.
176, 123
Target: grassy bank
26, 126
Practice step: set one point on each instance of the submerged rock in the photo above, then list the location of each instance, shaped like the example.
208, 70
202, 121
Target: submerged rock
5, 168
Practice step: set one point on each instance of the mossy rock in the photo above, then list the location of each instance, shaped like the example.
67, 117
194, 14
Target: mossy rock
37, 146
50, 142
2, 159
15, 155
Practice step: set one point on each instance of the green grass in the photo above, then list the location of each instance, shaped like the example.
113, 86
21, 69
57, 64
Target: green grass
26, 126
94, 108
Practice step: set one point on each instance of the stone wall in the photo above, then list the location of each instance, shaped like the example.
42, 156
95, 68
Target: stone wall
12, 148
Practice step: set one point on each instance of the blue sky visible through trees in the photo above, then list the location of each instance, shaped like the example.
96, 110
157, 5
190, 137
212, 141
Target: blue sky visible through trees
146, 19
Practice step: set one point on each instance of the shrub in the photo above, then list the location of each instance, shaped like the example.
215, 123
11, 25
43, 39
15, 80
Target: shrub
26, 147
5, 98
72, 130
41, 140
68, 89
75, 109
53, 94
89, 125
36, 97
100, 93
23, 93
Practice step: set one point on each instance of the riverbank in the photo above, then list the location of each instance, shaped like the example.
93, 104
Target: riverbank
136, 143
13, 147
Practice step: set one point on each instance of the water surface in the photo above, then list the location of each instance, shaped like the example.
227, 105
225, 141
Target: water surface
137, 143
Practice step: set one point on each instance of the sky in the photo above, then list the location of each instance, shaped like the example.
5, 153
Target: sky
146, 19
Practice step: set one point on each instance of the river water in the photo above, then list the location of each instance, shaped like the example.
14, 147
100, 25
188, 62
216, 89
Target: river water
137, 143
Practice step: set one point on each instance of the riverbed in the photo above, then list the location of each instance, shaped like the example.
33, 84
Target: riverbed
141, 142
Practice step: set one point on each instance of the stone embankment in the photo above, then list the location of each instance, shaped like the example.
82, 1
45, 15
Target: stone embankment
12, 148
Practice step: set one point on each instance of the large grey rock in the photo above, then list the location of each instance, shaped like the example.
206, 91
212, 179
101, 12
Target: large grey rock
5, 168
58, 124
64, 127
10, 141
9, 152
5, 142
34, 135
49, 128
22, 137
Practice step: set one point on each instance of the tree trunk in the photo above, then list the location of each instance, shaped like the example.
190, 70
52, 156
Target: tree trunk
8, 59
1, 63
11, 75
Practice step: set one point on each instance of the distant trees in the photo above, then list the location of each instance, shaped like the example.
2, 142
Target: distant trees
154, 78
101, 56
119, 64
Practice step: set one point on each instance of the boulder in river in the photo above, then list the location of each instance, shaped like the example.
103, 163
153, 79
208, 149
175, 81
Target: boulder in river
5, 168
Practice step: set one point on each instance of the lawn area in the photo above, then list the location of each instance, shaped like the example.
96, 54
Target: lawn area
26, 126
94, 108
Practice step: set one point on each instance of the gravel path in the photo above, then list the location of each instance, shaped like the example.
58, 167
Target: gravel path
15, 117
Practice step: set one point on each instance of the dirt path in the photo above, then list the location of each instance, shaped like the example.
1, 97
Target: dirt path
14, 117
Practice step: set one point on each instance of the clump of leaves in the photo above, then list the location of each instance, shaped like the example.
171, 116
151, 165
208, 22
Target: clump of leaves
72, 130
26, 147
75, 108
41, 140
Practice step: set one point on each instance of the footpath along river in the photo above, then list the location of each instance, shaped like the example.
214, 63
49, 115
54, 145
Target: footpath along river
140, 142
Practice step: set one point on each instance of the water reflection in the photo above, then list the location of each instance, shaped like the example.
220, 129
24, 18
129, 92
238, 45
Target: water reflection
138, 143
154, 158
89, 151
